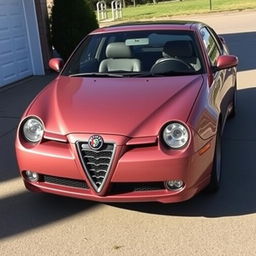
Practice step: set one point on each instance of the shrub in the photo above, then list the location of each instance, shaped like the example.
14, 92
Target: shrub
70, 22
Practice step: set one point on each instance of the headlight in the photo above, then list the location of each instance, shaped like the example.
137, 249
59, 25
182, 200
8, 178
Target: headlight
175, 135
33, 130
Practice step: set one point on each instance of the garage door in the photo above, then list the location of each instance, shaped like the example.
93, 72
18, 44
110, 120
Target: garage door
15, 59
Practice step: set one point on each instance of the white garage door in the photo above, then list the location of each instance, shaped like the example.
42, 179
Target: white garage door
15, 59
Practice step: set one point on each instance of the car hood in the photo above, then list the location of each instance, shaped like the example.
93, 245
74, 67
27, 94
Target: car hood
132, 107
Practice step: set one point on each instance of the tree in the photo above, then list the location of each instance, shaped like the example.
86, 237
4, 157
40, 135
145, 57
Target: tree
70, 22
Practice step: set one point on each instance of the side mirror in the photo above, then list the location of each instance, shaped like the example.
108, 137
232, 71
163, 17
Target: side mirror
56, 64
225, 62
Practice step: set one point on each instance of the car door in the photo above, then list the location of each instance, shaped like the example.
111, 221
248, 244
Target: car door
223, 81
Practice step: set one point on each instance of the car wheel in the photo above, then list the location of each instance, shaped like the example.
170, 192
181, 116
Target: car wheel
217, 165
234, 104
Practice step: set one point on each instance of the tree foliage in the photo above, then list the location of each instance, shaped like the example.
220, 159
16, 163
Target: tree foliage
70, 22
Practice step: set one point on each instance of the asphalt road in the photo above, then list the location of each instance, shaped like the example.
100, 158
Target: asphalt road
219, 224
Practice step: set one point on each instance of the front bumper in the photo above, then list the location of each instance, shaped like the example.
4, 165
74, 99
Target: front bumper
138, 171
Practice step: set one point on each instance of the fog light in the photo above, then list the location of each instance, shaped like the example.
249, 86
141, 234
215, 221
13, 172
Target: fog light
32, 176
174, 184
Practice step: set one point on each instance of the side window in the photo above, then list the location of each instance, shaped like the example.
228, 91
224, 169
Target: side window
89, 53
210, 45
217, 39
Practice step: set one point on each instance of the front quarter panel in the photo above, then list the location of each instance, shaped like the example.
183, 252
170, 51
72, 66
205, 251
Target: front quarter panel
204, 115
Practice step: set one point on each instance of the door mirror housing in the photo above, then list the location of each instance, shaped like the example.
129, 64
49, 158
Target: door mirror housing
225, 62
56, 64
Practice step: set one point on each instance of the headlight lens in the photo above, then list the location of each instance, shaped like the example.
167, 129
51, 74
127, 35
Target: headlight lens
175, 135
33, 130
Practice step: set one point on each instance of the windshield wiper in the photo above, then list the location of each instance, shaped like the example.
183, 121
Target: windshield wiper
144, 74
96, 74
169, 73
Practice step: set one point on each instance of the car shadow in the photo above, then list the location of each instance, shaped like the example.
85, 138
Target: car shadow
237, 193
243, 46
8, 163
27, 211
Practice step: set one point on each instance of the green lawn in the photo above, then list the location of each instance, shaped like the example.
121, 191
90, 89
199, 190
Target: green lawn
171, 8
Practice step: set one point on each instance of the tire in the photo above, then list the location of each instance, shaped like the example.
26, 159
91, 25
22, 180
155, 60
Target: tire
234, 104
217, 165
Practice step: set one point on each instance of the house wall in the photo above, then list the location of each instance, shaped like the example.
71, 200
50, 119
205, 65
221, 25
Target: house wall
20, 44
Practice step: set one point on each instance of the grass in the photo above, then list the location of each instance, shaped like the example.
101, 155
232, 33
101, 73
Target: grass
173, 8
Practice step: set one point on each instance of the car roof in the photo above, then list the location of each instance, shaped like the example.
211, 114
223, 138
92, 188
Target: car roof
151, 25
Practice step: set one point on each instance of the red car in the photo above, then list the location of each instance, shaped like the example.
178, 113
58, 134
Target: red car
136, 114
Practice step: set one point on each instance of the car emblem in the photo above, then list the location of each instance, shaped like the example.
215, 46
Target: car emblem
95, 142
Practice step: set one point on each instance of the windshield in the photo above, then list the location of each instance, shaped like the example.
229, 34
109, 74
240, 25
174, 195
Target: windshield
136, 53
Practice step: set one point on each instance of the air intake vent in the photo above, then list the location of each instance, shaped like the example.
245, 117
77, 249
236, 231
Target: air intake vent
120, 188
64, 181
96, 163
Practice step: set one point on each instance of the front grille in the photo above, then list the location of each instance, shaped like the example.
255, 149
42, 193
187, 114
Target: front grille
121, 188
96, 163
64, 181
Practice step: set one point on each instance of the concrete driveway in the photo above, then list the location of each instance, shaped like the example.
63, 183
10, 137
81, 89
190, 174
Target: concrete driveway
219, 224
